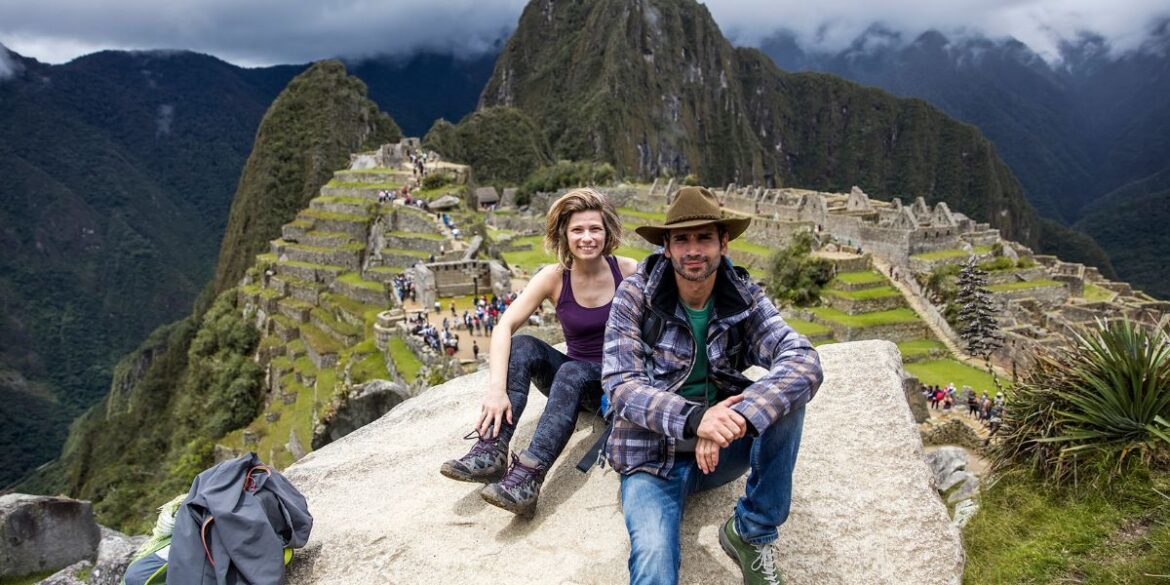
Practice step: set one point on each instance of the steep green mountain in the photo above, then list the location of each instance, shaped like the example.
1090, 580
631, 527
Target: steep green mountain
500, 144
194, 380
653, 87
309, 132
1130, 223
117, 172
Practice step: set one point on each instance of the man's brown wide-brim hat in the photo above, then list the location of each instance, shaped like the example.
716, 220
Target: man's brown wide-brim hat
693, 207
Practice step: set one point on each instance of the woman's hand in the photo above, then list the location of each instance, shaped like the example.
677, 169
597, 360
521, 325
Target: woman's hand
496, 408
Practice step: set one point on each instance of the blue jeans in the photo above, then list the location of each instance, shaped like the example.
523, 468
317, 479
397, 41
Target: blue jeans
569, 384
654, 506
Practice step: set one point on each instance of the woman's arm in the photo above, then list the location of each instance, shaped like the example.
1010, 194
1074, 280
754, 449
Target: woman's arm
496, 407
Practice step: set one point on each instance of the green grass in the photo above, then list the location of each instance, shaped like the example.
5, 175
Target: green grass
763, 252
861, 277
891, 317
371, 367
1023, 285
368, 313
319, 340
808, 328
462, 303
341, 327
404, 360
351, 185
332, 215
1097, 293
355, 279
343, 199
947, 371
432, 194
1026, 532
954, 253
386, 269
880, 292
529, 259
920, 347
657, 217
405, 252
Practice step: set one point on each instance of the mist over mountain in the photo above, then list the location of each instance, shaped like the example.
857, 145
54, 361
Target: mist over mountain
1072, 130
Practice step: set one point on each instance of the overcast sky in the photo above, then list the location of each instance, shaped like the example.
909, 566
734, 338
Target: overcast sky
265, 32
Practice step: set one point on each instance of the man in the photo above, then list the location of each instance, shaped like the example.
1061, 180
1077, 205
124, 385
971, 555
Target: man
680, 332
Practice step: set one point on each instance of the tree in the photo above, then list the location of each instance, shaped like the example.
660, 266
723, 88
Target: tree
979, 328
795, 275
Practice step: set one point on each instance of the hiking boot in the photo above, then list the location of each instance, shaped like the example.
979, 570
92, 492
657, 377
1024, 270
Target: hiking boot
484, 463
518, 490
757, 561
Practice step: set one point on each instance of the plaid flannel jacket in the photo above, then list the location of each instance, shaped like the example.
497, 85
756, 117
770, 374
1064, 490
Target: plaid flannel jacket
641, 381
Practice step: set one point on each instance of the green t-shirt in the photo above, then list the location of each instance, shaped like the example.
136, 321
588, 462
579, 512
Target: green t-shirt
696, 386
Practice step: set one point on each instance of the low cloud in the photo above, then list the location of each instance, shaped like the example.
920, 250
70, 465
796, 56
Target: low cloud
831, 25
258, 32
264, 32
9, 67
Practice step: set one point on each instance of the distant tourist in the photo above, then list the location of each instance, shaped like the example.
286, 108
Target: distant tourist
583, 229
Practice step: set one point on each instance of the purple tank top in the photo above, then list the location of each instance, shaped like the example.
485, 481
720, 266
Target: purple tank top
584, 327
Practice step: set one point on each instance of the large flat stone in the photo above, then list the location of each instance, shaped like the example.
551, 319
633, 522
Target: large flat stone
864, 506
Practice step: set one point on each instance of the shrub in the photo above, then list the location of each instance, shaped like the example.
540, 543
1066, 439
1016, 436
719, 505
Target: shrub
692, 180
564, 175
434, 181
998, 263
1088, 411
796, 276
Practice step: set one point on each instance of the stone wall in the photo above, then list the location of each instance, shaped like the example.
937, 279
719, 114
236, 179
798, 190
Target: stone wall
462, 278
416, 243
410, 219
1045, 295
859, 306
950, 431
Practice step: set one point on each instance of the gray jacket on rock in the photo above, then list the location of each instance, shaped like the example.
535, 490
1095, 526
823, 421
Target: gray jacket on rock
234, 525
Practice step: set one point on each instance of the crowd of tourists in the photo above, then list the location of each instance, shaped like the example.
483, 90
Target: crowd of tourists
985, 409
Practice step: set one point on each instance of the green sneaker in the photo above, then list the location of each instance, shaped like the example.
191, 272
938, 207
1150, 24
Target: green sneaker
757, 561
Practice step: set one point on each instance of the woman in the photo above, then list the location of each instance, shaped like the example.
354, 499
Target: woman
583, 229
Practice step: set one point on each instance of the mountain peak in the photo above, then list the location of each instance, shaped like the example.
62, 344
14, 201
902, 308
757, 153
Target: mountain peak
653, 87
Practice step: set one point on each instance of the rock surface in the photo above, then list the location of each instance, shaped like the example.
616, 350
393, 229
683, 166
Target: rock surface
865, 509
43, 533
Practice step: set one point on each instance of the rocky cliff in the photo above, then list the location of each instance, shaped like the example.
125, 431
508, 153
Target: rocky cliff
864, 505
653, 87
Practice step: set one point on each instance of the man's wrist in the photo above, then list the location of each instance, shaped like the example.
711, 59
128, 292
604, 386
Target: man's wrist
694, 419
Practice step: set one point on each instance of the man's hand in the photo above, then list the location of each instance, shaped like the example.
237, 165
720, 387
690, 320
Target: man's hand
722, 425
707, 455
496, 408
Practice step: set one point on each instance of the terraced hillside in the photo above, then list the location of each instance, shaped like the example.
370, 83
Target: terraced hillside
316, 296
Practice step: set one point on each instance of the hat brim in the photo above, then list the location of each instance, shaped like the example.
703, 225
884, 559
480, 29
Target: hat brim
655, 234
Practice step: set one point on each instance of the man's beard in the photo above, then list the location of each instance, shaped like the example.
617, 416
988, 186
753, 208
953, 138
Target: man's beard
678, 268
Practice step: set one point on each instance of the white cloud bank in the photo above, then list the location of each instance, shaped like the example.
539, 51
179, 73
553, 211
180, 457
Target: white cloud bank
262, 32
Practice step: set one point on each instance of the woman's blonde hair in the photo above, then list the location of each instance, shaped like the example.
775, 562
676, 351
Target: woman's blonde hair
556, 228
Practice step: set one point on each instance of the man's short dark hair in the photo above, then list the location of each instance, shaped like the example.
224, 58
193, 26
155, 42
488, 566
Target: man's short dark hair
720, 231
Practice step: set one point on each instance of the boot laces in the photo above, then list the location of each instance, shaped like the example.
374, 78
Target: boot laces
518, 474
765, 563
483, 445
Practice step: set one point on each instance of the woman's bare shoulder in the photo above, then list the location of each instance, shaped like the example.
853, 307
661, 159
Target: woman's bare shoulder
627, 265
